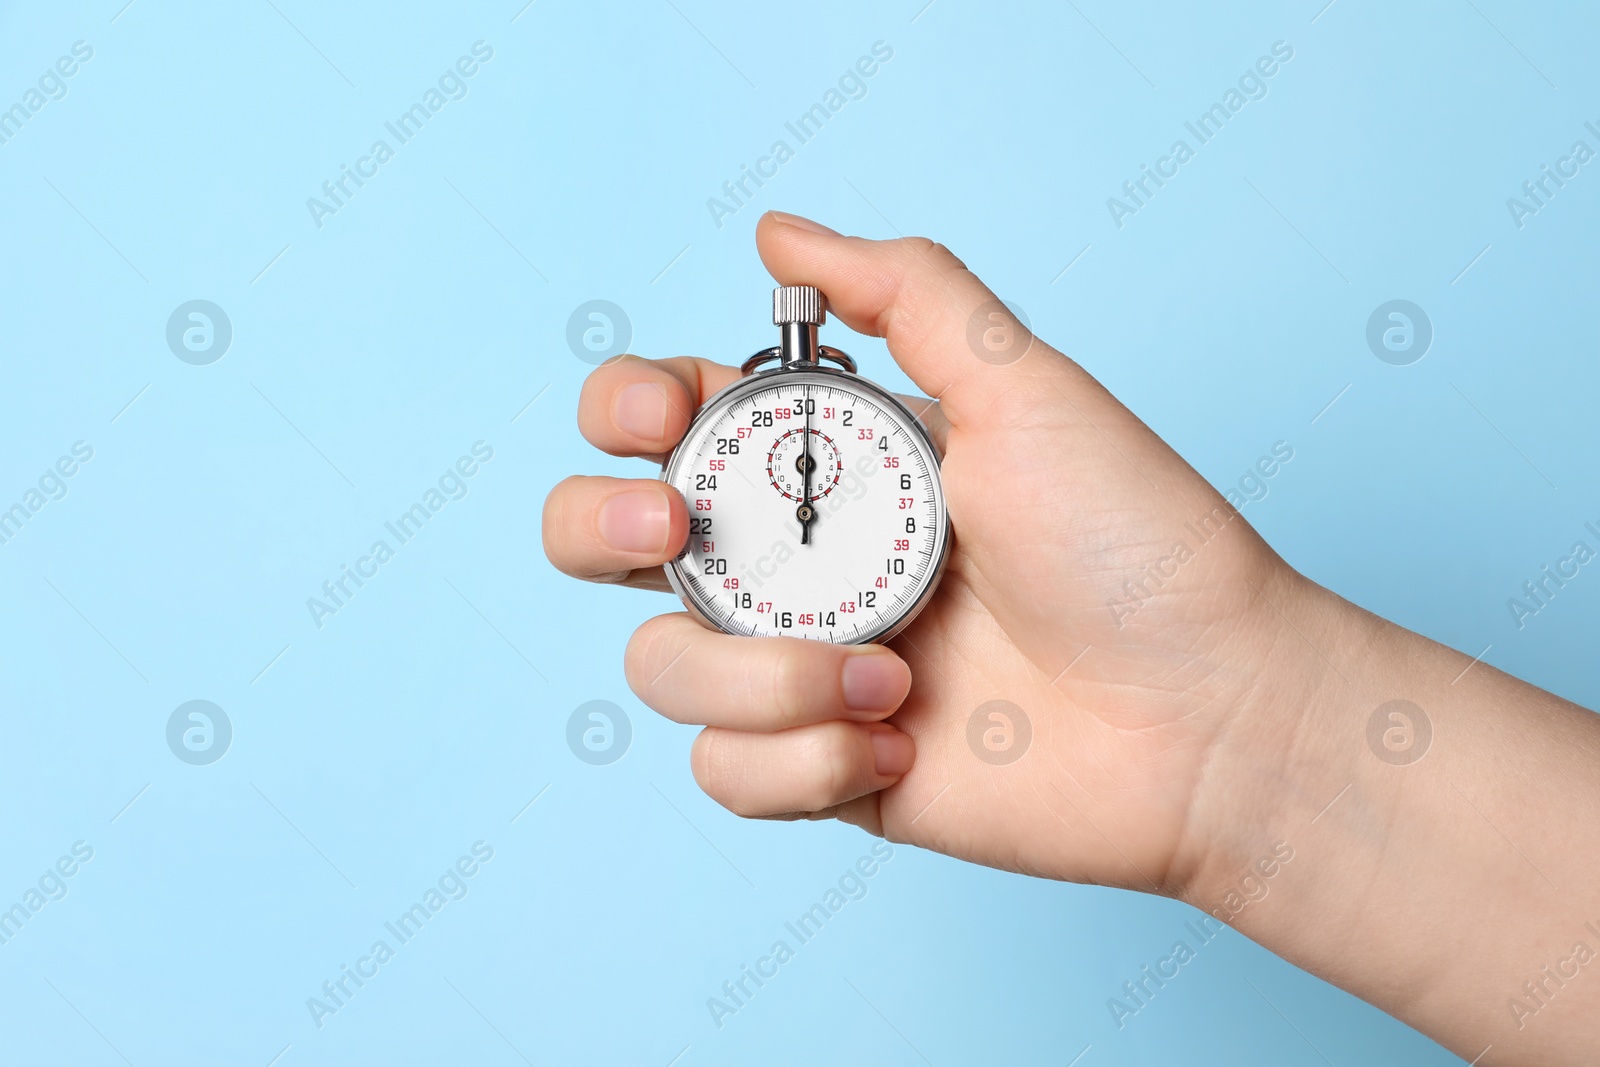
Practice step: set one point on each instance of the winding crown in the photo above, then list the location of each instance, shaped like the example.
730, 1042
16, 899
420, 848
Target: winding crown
798, 303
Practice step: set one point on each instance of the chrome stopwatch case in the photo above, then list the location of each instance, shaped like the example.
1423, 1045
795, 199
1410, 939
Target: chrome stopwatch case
815, 505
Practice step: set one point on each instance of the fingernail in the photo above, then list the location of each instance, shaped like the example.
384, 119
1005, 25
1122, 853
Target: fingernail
800, 223
636, 521
892, 753
874, 681
641, 409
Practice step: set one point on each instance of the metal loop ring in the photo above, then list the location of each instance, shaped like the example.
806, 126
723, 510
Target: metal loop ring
759, 358
768, 355
838, 357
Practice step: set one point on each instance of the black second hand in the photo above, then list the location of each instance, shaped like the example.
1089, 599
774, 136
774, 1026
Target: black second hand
805, 470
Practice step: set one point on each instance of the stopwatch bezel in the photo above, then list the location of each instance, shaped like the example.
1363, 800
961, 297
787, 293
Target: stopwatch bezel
761, 380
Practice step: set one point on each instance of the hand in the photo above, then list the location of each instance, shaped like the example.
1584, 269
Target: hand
1194, 703
1059, 499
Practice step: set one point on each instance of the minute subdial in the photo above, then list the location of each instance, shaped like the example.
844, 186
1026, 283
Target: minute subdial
789, 457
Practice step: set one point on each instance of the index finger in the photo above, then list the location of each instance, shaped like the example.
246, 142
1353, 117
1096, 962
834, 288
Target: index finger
639, 407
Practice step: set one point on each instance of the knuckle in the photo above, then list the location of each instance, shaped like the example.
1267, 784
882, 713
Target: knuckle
553, 520
924, 251
618, 364
919, 271
949, 260
568, 533
788, 687
831, 773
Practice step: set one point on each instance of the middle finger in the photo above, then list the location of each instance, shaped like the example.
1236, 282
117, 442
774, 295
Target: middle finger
606, 529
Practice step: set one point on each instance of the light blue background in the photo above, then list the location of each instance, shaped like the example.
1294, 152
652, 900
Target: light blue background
369, 754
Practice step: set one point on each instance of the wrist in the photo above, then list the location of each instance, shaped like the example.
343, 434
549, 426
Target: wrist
1286, 753
1375, 788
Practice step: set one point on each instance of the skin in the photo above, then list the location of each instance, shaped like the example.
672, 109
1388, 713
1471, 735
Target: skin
1183, 726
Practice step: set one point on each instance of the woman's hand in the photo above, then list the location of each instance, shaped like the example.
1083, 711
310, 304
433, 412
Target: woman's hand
1195, 711
1095, 582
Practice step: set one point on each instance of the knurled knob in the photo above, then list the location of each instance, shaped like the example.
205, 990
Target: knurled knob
798, 303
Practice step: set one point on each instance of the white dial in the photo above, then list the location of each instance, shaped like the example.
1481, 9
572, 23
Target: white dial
815, 509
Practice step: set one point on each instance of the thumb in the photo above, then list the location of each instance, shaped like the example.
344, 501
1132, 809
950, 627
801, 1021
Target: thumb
946, 329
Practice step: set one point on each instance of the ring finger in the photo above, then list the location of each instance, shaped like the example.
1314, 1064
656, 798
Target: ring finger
807, 769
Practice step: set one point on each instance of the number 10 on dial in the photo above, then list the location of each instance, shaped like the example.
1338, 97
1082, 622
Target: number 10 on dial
815, 506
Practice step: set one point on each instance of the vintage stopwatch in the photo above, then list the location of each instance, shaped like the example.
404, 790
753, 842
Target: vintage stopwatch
815, 505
